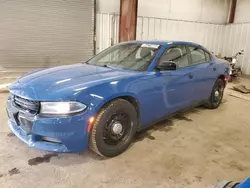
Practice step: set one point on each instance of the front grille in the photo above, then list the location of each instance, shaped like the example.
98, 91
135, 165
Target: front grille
26, 105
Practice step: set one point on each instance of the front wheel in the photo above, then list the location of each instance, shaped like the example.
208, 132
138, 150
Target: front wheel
216, 96
114, 128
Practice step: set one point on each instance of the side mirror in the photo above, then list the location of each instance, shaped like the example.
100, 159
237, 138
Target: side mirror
167, 65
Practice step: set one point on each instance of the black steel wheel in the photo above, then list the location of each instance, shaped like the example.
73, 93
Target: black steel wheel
114, 128
216, 96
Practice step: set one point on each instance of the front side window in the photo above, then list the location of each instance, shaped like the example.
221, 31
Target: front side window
177, 55
131, 56
197, 55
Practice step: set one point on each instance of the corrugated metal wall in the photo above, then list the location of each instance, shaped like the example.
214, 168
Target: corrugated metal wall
45, 33
210, 35
107, 30
225, 40
236, 38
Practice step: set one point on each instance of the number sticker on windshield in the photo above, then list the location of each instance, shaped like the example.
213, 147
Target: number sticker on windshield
150, 45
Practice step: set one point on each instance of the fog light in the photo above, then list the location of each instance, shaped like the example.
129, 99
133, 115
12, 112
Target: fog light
53, 140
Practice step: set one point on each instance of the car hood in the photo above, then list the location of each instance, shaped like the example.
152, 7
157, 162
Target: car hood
62, 80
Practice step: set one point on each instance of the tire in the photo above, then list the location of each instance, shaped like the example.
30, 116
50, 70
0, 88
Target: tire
226, 185
214, 100
107, 138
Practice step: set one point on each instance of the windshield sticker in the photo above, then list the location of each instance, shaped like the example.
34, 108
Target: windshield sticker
150, 45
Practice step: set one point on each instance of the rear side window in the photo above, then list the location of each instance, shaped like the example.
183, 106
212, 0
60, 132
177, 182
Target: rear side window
197, 55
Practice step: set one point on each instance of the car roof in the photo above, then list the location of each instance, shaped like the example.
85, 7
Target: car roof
162, 42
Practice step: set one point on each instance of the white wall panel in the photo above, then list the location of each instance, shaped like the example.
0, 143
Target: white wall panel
108, 6
166, 29
244, 44
242, 11
226, 40
107, 30
236, 39
212, 11
209, 35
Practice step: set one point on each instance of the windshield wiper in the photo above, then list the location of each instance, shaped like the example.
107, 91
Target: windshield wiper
105, 65
101, 65
108, 66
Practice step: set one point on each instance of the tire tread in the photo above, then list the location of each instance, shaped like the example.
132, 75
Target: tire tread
209, 104
92, 140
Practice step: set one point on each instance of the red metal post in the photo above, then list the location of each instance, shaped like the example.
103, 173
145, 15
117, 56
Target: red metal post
128, 20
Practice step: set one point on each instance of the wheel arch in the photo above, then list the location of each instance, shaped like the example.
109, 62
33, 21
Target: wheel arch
133, 101
128, 97
222, 77
95, 133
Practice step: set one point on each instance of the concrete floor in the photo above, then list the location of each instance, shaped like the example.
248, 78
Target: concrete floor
192, 150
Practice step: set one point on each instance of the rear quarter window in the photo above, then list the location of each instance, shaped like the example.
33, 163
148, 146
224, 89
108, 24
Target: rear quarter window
208, 56
198, 55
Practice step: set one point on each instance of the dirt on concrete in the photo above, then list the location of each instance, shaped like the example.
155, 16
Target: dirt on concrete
39, 160
14, 171
193, 150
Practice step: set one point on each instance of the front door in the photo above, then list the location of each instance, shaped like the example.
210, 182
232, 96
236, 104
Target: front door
177, 85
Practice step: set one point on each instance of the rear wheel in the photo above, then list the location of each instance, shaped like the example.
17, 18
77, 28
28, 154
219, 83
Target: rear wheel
216, 96
114, 128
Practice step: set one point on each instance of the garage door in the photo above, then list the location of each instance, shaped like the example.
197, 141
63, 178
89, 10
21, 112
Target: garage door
42, 33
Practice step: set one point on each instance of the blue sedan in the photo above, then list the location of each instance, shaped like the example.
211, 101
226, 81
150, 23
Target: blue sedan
101, 104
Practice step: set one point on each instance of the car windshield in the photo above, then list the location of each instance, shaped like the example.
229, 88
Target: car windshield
129, 56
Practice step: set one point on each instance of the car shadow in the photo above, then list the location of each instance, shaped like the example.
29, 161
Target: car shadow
167, 124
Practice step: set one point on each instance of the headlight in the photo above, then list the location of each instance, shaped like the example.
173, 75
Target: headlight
61, 108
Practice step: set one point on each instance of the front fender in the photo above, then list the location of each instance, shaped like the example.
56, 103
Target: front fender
97, 101
115, 96
144, 89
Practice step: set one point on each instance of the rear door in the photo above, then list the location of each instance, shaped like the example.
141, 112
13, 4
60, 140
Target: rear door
204, 72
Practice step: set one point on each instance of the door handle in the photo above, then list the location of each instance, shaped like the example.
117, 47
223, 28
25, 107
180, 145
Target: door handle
214, 69
190, 76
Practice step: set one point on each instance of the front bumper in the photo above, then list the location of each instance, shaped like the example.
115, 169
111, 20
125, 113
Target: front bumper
70, 132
